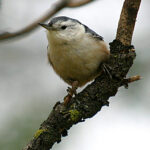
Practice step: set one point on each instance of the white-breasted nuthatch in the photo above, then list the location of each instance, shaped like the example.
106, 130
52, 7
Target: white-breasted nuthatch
75, 51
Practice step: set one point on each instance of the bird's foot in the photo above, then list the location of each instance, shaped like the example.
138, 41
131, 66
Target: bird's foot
67, 99
106, 69
71, 91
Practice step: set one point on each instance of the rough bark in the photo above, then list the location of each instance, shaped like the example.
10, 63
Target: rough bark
87, 103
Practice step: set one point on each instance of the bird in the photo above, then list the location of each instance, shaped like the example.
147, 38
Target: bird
75, 52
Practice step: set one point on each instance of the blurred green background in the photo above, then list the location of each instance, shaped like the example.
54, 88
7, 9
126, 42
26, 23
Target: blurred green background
29, 88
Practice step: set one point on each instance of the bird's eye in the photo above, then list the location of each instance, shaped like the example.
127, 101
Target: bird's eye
63, 27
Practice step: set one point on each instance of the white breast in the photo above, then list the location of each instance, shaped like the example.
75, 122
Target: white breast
77, 60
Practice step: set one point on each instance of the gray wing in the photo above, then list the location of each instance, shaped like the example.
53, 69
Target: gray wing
94, 34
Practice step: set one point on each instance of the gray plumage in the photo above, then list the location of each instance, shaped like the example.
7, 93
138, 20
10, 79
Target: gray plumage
87, 29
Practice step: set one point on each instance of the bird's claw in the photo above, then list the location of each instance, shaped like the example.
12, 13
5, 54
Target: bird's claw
71, 91
106, 69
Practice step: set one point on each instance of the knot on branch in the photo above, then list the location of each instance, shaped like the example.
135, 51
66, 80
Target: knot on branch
117, 47
121, 59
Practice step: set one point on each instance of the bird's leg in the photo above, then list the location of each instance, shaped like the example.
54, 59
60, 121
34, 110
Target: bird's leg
106, 70
71, 91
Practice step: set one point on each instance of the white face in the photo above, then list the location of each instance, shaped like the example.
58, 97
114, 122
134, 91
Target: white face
65, 31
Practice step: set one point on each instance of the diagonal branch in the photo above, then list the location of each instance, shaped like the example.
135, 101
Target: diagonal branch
87, 103
78, 3
52, 11
56, 8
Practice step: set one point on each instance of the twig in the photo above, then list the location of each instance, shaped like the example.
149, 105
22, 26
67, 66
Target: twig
133, 79
87, 103
52, 11
78, 3
125, 82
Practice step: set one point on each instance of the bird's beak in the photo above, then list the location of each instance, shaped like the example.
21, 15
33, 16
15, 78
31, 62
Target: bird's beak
46, 26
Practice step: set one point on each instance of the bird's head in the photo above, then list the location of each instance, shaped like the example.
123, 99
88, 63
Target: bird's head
64, 29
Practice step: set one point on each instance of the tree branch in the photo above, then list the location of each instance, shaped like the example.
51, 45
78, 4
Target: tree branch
127, 21
52, 11
78, 3
88, 102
